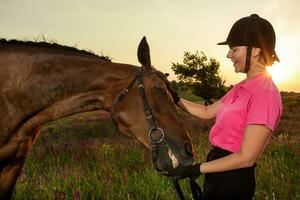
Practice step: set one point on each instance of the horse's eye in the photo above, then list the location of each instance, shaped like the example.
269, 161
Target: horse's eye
158, 88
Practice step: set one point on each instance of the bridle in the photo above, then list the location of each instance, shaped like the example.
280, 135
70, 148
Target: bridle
156, 134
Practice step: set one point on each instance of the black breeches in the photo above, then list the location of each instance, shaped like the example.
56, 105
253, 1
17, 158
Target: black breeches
235, 184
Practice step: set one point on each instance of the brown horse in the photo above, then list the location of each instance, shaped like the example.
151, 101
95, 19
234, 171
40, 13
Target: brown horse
42, 82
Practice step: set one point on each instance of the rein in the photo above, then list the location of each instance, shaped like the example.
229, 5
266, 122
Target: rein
156, 134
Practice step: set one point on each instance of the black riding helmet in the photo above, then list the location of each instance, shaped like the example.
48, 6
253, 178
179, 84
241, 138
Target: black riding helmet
253, 31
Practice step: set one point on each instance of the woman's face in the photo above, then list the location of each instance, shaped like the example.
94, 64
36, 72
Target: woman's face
237, 54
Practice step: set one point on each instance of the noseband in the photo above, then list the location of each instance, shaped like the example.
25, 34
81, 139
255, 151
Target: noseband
156, 134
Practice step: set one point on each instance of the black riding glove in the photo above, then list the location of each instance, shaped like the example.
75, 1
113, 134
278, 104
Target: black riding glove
175, 96
186, 171
173, 93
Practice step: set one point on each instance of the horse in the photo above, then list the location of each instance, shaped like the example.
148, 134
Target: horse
41, 82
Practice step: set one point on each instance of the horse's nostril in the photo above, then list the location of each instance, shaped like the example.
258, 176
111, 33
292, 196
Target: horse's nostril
189, 149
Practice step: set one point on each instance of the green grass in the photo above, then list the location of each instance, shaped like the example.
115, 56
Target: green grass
80, 160
116, 167
90, 168
277, 174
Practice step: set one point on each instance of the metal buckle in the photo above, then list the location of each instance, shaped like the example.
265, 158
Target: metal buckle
125, 91
156, 140
149, 116
141, 86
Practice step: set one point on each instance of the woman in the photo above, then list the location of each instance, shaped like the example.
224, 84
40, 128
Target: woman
245, 117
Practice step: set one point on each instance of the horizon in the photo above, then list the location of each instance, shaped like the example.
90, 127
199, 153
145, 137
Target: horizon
115, 29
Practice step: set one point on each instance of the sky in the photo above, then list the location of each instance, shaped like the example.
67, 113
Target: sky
114, 28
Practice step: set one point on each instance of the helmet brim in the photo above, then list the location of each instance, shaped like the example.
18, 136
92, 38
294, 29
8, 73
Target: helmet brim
234, 43
223, 43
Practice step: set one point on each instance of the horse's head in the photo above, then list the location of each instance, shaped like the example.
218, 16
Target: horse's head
132, 116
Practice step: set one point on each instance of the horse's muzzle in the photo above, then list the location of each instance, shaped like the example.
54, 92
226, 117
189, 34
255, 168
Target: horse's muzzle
175, 161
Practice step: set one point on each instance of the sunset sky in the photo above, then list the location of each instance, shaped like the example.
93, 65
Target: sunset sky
115, 28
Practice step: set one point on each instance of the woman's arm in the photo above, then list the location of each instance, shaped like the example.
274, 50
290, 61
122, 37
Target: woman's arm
198, 110
255, 139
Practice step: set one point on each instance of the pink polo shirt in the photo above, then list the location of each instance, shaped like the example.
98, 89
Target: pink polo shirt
253, 101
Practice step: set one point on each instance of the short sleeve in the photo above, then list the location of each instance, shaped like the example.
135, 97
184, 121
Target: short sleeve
265, 108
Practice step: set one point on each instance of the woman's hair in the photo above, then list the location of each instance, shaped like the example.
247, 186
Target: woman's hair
268, 59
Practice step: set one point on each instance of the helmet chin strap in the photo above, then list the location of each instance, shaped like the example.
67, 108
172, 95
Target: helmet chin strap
248, 57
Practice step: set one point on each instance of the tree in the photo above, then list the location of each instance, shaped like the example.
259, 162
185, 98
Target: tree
203, 73
182, 86
179, 86
174, 85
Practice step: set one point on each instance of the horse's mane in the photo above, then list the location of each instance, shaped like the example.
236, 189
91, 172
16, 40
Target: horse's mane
52, 46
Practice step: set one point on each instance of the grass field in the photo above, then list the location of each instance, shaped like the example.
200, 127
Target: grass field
79, 160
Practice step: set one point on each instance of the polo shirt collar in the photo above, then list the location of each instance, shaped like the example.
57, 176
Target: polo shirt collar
252, 83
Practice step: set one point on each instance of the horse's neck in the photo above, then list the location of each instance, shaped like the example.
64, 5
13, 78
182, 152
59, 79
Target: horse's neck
47, 81
112, 81
78, 75
107, 78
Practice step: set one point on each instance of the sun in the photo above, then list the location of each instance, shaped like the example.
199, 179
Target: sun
278, 73
285, 69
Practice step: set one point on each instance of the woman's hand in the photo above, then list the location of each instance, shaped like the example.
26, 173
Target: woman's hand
174, 94
186, 171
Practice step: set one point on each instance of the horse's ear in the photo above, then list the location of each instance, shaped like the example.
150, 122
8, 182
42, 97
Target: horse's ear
144, 53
